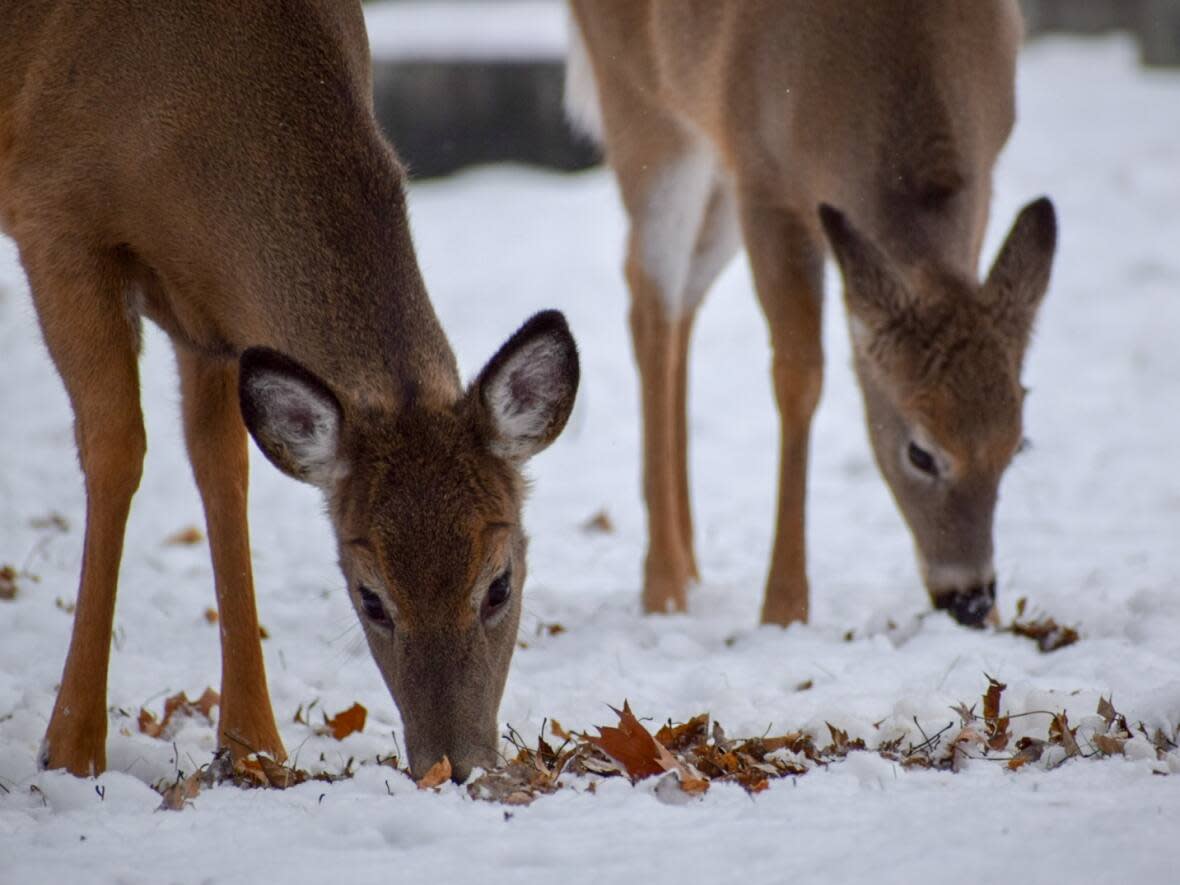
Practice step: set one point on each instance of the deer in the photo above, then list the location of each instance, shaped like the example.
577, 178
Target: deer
216, 168
790, 129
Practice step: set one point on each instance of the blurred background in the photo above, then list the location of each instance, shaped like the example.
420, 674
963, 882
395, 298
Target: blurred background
466, 82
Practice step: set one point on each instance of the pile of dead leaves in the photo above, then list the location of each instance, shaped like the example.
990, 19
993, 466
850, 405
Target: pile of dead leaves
687, 759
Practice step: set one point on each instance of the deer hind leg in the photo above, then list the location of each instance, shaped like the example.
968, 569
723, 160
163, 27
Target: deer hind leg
94, 342
787, 265
216, 439
676, 248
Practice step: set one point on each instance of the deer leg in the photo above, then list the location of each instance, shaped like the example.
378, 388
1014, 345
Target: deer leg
668, 566
94, 343
216, 439
788, 275
717, 241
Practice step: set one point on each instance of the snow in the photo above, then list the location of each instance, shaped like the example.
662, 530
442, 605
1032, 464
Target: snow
1087, 530
521, 30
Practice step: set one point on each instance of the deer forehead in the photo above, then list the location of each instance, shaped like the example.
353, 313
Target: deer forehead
973, 418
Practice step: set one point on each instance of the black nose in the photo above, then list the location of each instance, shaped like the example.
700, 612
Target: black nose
968, 607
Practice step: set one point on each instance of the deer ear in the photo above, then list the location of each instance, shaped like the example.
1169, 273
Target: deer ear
525, 393
292, 415
1020, 276
875, 295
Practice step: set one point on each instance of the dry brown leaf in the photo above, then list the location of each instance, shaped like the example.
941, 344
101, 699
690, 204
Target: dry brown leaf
558, 732
438, 774
1061, 734
179, 793
1109, 746
263, 633
248, 772
51, 520
991, 698
7, 582
186, 537
1106, 710
1028, 749
1048, 634
679, 738
630, 745
346, 722
211, 615
178, 704
599, 523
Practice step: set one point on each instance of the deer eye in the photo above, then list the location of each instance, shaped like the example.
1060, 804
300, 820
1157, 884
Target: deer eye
922, 460
499, 592
372, 607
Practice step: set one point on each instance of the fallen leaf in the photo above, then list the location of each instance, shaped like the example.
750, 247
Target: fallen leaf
1109, 746
681, 737
178, 704
186, 537
178, 794
439, 773
211, 615
346, 722
630, 745
263, 633
991, 698
7, 582
1061, 734
1048, 634
52, 520
599, 523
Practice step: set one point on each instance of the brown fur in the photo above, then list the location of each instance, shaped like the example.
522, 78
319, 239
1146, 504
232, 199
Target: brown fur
217, 168
894, 112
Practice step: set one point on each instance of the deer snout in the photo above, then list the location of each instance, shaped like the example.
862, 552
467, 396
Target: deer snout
971, 607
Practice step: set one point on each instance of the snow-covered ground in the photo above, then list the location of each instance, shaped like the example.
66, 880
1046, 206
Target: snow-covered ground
1088, 530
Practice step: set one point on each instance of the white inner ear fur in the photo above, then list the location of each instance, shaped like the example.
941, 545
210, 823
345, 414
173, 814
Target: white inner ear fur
304, 422
521, 397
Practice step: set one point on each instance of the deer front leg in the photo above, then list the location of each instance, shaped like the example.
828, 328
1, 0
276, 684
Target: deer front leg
94, 344
788, 274
216, 439
660, 343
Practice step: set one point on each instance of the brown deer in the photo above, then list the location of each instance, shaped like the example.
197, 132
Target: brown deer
216, 167
747, 122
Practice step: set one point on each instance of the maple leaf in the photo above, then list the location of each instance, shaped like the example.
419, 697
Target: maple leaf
630, 745
438, 774
345, 722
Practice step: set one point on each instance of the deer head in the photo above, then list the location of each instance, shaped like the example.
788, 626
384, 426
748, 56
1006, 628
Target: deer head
939, 360
426, 507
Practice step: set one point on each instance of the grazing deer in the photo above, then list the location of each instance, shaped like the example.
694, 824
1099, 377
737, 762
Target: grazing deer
748, 122
216, 167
